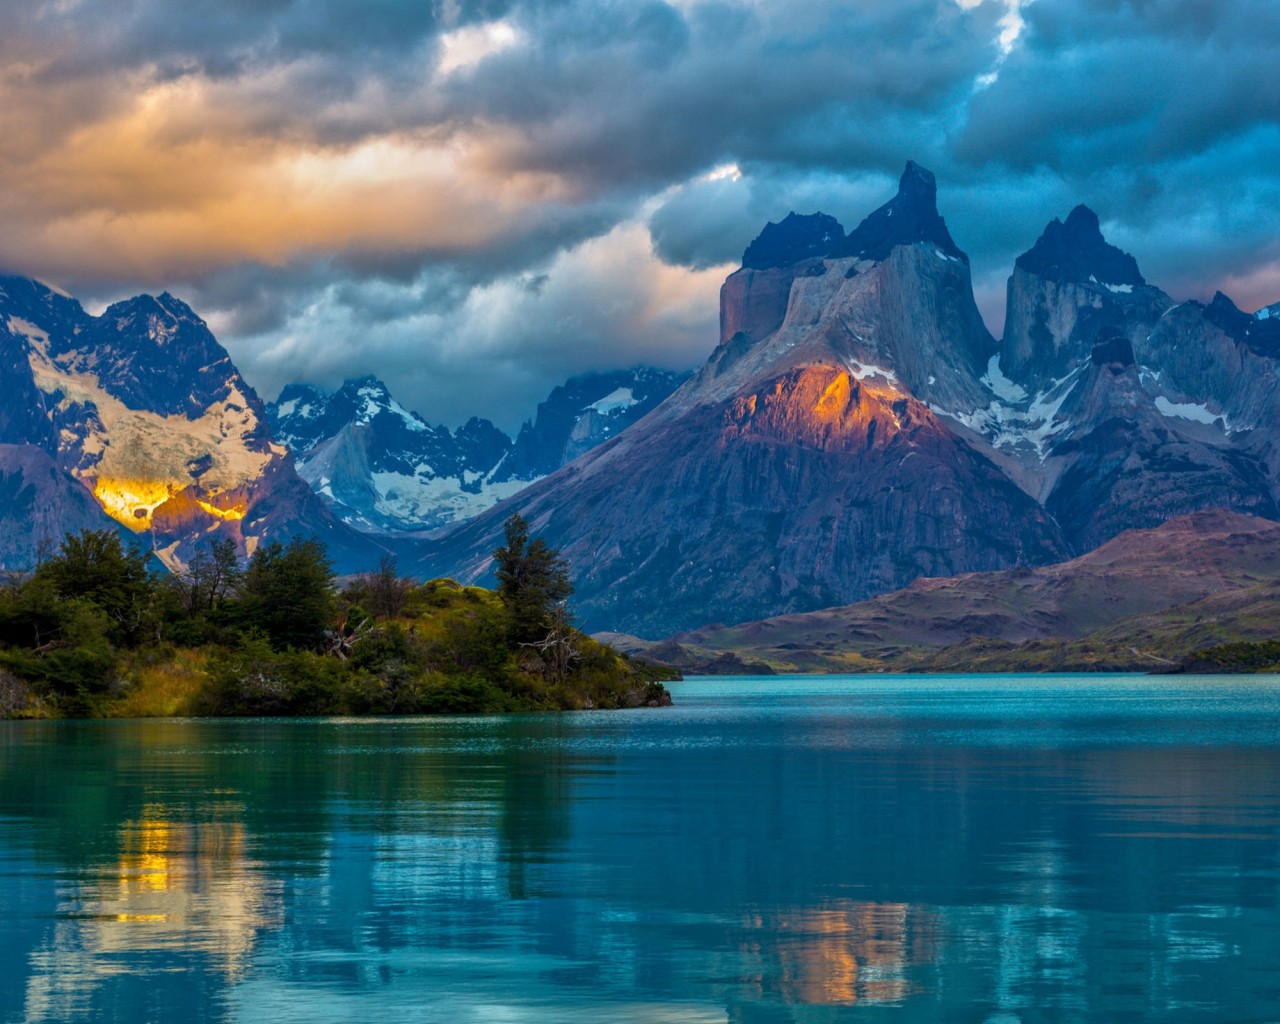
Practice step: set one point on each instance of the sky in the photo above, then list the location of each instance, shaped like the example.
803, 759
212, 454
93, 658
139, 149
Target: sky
474, 201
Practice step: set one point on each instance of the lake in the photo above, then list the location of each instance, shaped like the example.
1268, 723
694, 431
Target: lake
963, 848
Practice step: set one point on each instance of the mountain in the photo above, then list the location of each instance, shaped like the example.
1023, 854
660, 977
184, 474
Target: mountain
1121, 605
1098, 394
40, 503
856, 427
380, 467
141, 410
582, 413
774, 478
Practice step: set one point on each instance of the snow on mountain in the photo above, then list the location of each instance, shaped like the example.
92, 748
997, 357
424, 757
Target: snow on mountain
383, 468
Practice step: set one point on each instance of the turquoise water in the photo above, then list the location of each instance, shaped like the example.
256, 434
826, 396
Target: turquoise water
987, 849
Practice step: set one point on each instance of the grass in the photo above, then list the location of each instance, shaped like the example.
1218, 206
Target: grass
166, 687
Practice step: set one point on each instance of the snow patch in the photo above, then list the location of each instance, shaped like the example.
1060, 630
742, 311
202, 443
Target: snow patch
1263, 314
1190, 411
430, 501
376, 401
33, 333
1000, 385
1011, 428
943, 256
285, 409
1119, 289
614, 401
861, 371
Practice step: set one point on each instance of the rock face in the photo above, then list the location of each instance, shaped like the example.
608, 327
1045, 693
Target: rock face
857, 427
40, 503
141, 409
382, 468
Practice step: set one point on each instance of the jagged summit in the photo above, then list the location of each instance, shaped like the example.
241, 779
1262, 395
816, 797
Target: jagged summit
796, 237
910, 216
1077, 251
1260, 333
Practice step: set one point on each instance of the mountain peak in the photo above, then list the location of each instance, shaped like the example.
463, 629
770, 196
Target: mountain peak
796, 237
368, 385
1260, 333
1075, 250
910, 216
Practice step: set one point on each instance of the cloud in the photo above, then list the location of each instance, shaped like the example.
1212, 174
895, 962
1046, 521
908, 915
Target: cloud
495, 349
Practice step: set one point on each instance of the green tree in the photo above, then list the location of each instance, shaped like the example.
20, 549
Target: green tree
533, 583
94, 566
287, 592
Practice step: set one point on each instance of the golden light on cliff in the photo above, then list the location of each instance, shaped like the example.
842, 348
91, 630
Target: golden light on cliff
235, 512
132, 501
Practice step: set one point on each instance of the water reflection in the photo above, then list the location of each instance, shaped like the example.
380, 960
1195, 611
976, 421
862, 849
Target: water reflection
977, 855
843, 954
181, 893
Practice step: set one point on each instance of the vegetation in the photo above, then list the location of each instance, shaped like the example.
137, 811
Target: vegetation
1242, 657
93, 632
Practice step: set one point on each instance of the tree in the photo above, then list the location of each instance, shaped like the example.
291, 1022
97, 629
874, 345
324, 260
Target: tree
287, 592
386, 591
533, 583
94, 566
213, 575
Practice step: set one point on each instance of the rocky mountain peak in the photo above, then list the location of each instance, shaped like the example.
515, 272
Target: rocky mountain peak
910, 216
154, 353
796, 237
1075, 250
1260, 333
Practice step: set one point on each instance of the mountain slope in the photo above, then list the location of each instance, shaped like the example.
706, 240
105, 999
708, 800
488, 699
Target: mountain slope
40, 504
1137, 591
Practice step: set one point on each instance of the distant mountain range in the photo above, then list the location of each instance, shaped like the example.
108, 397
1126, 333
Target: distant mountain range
382, 468
1141, 602
857, 427
137, 421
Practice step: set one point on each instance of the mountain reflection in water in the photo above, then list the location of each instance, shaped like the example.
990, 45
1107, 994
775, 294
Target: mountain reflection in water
768, 850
